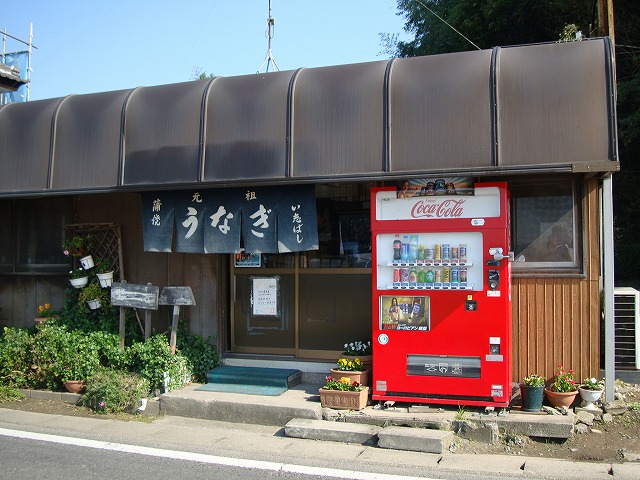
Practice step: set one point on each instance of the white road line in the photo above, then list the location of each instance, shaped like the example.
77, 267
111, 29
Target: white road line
204, 458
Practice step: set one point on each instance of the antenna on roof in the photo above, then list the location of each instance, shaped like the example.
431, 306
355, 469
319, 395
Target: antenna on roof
267, 61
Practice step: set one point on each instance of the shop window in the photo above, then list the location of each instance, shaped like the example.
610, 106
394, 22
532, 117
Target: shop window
344, 235
33, 241
545, 227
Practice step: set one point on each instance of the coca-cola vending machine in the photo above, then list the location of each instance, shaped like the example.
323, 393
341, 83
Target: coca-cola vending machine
442, 296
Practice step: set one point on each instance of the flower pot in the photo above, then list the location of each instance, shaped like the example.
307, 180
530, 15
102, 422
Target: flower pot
74, 386
362, 377
531, 398
79, 282
367, 360
93, 304
589, 397
87, 262
342, 400
560, 399
105, 279
40, 320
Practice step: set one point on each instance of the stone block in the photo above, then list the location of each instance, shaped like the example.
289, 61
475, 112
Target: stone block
332, 431
415, 439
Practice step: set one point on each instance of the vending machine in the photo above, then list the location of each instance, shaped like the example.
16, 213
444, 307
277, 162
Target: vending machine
442, 296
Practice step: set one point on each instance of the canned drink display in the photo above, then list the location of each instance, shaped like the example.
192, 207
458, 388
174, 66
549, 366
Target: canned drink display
446, 274
437, 275
430, 276
397, 277
428, 254
446, 252
404, 276
437, 252
455, 275
463, 275
413, 277
462, 253
454, 255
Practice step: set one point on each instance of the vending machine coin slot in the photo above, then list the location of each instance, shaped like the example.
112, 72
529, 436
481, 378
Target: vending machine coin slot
493, 279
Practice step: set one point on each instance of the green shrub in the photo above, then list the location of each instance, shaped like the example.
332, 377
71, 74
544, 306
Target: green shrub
9, 392
113, 391
154, 361
15, 357
200, 353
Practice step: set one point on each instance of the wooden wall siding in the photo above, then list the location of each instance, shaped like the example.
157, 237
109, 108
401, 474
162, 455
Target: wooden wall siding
557, 320
203, 273
21, 295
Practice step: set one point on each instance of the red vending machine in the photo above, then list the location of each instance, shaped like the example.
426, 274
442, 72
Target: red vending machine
442, 297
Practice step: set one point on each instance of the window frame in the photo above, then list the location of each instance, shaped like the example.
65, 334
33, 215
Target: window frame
574, 268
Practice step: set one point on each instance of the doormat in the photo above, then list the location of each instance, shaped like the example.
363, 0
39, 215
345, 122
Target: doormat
251, 380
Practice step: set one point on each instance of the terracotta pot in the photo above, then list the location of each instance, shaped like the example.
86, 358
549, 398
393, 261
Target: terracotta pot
344, 400
74, 386
40, 320
589, 396
362, 377
560, 399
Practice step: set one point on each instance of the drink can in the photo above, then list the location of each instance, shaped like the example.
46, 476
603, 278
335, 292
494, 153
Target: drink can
397, 277
404, 276
462, 252
428, 254
437, 252
454, 255
437, 275
446, 274
455, 275
446, 252
463, 275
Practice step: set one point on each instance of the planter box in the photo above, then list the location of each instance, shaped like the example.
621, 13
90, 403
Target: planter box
344, 400
362, 377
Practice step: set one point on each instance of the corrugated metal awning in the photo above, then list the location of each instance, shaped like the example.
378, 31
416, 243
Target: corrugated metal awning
535, 108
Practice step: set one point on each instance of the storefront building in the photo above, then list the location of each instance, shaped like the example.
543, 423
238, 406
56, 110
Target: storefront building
540, 117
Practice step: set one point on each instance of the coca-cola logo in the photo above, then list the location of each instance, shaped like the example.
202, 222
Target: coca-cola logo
446, 209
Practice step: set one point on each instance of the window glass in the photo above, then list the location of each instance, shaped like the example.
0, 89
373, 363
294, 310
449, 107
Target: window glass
40, 229
544, 223
344, 230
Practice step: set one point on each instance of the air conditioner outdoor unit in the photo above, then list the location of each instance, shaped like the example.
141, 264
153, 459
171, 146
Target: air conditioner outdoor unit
626, 303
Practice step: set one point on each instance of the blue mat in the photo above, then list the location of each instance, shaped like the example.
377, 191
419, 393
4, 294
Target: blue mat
250, 380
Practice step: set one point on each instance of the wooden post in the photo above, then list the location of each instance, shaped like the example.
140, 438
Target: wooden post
122, 327
134, 296
175, 296
174, 328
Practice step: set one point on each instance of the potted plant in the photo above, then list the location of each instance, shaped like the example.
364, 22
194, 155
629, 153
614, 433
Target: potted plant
79, 246
343, 394
359, 349
531, 390
104, 272
562, 392
78, 277
354, 369
93, 295
590, 391
44, 313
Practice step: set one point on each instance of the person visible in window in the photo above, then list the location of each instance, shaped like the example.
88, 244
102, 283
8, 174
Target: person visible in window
558, 246
394, 310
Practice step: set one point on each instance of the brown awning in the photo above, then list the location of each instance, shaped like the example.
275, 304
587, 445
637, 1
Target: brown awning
535, 108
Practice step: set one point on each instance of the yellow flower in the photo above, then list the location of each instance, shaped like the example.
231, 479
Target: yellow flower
40, 308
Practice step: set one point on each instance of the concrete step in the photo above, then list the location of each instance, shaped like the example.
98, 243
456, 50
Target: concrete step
332, 431
396, 438
239, 375
415, 439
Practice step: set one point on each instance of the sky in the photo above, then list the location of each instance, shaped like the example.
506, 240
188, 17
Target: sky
98, 46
